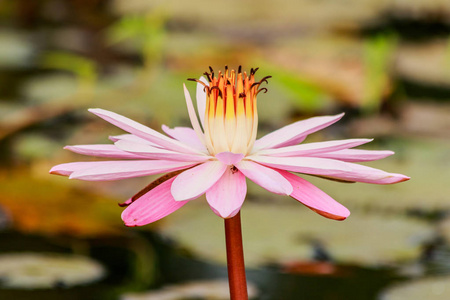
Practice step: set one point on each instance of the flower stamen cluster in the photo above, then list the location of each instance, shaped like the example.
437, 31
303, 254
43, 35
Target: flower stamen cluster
231, 116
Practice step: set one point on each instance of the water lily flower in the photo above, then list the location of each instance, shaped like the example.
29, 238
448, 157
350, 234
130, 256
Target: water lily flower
220, 151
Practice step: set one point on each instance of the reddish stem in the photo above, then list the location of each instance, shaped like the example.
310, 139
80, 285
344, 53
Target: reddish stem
235, 258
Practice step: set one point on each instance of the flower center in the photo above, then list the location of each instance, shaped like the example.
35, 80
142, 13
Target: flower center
231, 116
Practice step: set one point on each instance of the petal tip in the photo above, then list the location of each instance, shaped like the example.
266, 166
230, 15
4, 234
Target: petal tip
339, 116
405, 178
344, 214
57, 171
225, 214
130, 225
397, 178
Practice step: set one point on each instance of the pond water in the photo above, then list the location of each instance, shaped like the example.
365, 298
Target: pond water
175, 266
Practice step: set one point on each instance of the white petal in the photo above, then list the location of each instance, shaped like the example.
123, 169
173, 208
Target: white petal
227, 195
229, 158
355, 155
196, 181
330, 168
267, 178
313, 148
185, 135
294, 133
158, 153
131, 138
119, 169
142, 131
110, 151
201, 100
192, 115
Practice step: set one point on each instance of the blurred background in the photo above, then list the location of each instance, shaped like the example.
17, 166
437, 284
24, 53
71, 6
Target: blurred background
386, 63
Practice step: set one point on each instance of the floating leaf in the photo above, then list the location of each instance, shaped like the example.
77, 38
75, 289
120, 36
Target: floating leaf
47, 270
288, 232
198, 290
437, 288
410, 63
16, 50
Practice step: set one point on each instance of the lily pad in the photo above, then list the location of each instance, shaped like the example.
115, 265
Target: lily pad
54, 87
409, 63
195, 290
16, 50
47, 270
327, 66
282, 233
436, 288
269, 18
35, 146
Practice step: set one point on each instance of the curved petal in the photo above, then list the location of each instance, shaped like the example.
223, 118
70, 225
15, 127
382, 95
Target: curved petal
201, 100
142, 131
157, 153
119, 169
131, 138
227, 195
355, 155
314, 198
192, 114
313, 148
67, 168
229, 158
196, 181
103, 151
266, 177
294, 133
152, 206
330, 168
185, 135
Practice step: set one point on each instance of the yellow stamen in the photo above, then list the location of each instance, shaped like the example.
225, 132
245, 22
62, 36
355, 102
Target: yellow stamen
231, 118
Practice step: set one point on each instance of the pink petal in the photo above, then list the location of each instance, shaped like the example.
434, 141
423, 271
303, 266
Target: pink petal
330, 168
313, 148
67, 168
152, 206
201, 100
267, 178
294, 133
196, 181
315, 199
355, 155
227, 195
142, 131
229, 158
103, 151
192, 115
119, 169
131, 138
185, 135
126, 203
158, 153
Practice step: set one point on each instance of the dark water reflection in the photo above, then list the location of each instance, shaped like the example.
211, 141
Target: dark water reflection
349, 282
119, 255
125, 257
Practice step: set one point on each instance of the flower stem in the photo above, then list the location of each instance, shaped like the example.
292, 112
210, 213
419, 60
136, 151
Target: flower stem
235, 258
